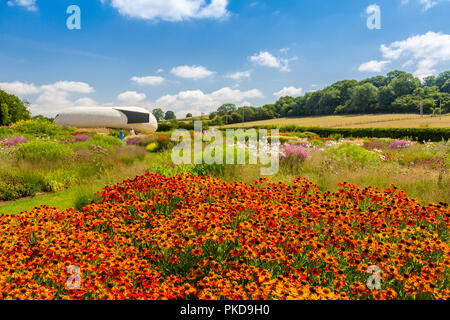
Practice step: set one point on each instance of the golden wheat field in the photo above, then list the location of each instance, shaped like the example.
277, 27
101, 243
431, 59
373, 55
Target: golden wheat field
359, 121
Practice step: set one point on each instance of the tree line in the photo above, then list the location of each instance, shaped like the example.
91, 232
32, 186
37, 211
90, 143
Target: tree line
397, 92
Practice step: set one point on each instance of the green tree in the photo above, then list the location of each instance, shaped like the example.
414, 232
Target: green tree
226, 109
386, 96
12, 109
236, 117
442, 78
429, 81
364, 98
378, 81
170, 115
189, 115
395, 74
159, 114
329, 100
446, 86
284, 105
5, 119
404, 84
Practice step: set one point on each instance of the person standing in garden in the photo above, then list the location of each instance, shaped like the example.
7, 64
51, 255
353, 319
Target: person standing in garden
122, 135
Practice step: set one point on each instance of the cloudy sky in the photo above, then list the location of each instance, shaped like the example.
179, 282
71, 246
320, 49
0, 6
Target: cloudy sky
194, 55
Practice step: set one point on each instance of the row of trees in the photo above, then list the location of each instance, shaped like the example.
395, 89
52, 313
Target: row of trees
397, 92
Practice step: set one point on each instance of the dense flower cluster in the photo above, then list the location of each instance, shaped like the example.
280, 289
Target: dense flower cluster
292, 152
194, 237
400, 144
11, 142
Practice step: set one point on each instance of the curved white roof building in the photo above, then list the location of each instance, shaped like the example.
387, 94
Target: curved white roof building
128, 118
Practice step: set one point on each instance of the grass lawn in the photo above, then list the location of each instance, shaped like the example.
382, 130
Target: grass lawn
62, 200
358, 121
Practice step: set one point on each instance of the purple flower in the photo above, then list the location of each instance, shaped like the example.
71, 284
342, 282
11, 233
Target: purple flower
15, 141
81, 138
133, 141
294, 152
400, 144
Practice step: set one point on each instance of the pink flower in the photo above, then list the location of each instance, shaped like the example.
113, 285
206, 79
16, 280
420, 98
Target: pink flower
400, 144
293, 153
15, 141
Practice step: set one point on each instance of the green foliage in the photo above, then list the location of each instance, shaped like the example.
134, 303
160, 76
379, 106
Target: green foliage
350, 155
395, 93
159, 114
170, 115
84, 197
12, 109
105, 142
37, 151
17, 185
40, 128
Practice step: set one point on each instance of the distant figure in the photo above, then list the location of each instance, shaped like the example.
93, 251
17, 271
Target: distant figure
132, 132
122, 135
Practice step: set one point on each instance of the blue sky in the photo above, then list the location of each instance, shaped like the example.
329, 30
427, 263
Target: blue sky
193, 55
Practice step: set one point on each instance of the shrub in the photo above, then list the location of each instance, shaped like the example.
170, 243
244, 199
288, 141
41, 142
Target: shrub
336, 136
152, 147
40, 128
19, 185
44, 150
351, 155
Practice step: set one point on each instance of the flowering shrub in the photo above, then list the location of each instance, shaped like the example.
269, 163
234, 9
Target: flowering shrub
194, 237
151, 147
397, 144
11, 142
293, 153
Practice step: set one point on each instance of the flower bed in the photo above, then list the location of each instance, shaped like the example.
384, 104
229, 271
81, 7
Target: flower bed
193, 237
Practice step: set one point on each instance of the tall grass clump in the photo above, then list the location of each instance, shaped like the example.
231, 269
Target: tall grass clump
38, 151
85, 196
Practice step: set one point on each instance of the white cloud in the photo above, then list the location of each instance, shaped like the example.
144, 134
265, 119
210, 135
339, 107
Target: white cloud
68, 86
373, 66
56, 97
426, 4
30, 5
426, 51
289, 91
131, 97
160, 70
192, 72
187, 101
239, 75
19, 88
149, 81
171, 10
266, 59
